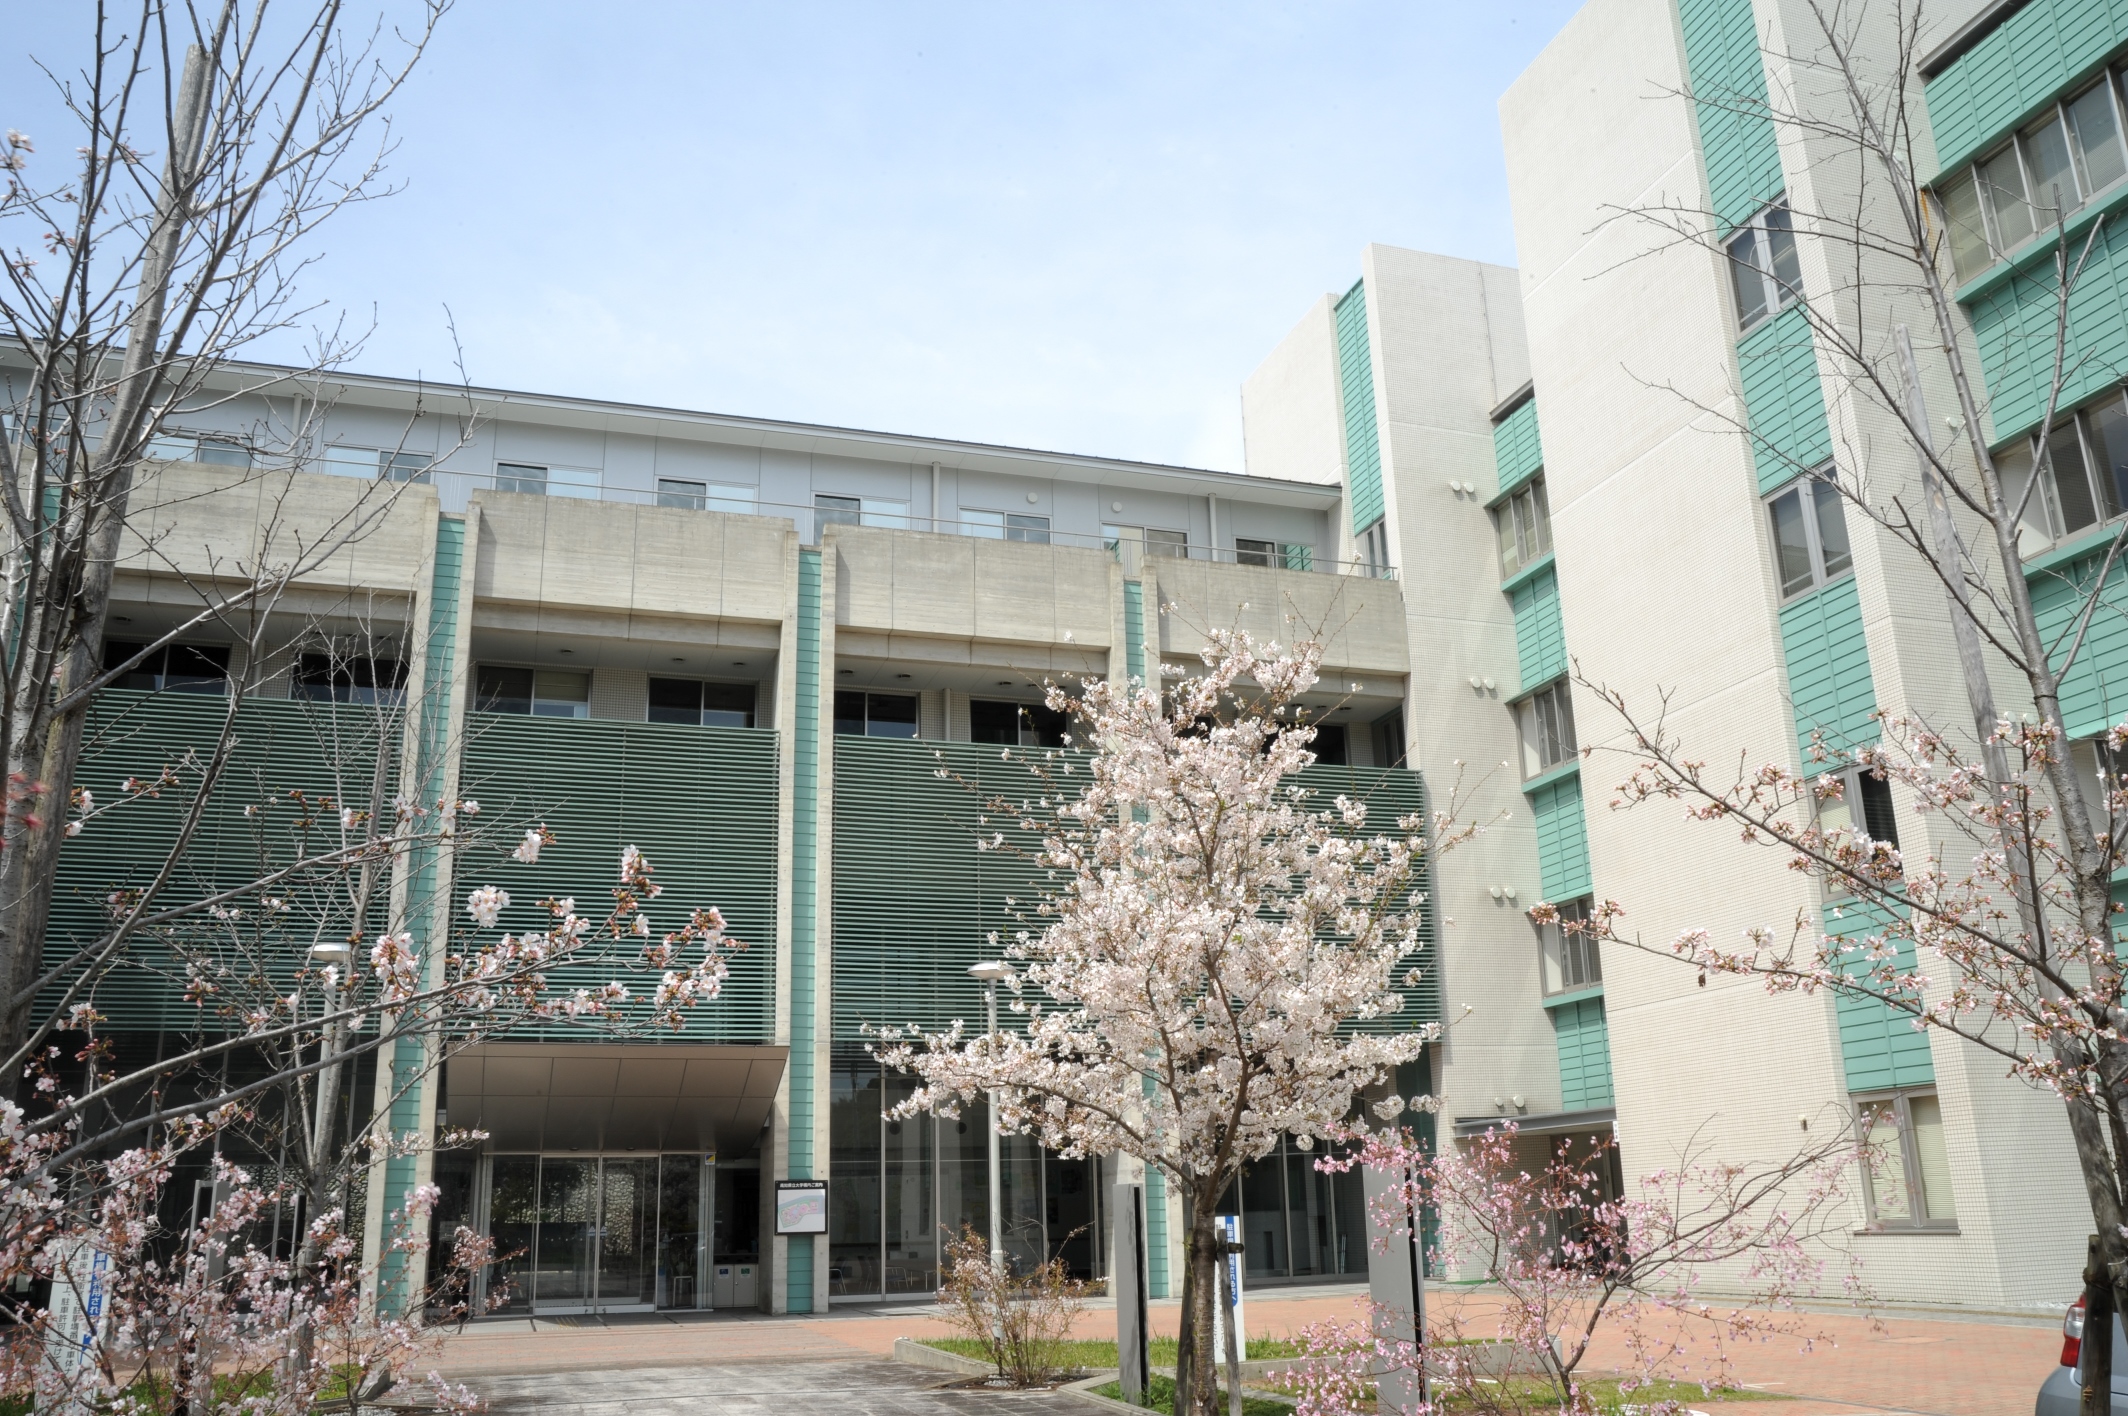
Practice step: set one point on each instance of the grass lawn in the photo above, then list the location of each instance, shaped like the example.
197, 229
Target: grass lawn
1094, 1353
1161, 1398
1532, 1395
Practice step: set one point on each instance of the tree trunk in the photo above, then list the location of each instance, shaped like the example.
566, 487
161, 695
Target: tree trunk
50, 748
1196, 1386
2097, 1361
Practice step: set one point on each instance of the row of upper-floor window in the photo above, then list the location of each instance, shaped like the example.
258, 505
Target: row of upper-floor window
2057, 163
1127, 542
2073, 479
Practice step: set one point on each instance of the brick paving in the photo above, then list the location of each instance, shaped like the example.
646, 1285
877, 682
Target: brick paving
1933, 1366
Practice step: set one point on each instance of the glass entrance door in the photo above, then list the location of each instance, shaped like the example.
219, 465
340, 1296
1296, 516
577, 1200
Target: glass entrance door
578, 1234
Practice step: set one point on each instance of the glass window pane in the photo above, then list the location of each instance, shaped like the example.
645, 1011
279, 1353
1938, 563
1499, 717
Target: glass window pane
1832, 529
1781, 255
2108, 427
989, 525
1543, 510
878, 511
2097, 138
1027, 527
890, 715
837, 511
2030, 499
1252, 552
1526, 726
2002, 181
518, 477
1167, 543
407, 467
741, 501
2072, 485
1791, 546
561, 693
1884, 1167
849, 712
993, 722
1746, 278
1504, 527
2047, 160
1960, 202
572, 482
351, 461
727, 705
687, 496
221, 452
675, 701
1931, 1158
504, 690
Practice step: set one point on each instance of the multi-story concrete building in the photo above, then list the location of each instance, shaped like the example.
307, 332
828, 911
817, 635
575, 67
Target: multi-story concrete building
744, 647
1660, 536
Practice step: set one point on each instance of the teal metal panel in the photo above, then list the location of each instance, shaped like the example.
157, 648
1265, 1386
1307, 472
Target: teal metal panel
1879, 1045
1363, 445
1584, 1041
1134, 628
433, 737
799, 1278
2094, 695
1562, 838
1517, 452
1540, 638
1783, 399
2014, 324
700, 802
1728, 81
1829, 682
2028, 59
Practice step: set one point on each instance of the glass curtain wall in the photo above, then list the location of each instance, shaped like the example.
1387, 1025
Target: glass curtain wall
1296, 1221
901, 1189
595, 1232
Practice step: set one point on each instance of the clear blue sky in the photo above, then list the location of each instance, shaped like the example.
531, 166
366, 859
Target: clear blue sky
1073, 225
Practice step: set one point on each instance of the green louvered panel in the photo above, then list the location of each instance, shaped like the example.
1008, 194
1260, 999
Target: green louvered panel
2027, 59
283, 745
1783, 398
1134, 628
1363, 444
915, 900
800, 1289
1562, 838
1828, 667
700, 802
1729, 81
1584, 1040
1540, 638
1879, 1045
1392, 794
2013, 327
2094, 696
1517, 453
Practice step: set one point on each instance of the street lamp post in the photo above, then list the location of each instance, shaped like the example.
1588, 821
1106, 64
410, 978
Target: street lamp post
990, 974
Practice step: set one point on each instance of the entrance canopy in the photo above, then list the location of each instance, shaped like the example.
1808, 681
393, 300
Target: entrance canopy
551, 1096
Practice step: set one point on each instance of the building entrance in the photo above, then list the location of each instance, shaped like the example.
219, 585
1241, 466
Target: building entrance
601, 1234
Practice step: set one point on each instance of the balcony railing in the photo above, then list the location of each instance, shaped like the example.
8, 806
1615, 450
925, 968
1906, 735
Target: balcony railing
811, 521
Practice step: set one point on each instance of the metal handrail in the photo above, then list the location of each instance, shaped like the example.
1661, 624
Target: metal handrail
812, 521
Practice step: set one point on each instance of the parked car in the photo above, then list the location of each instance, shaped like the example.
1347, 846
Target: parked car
2060, 1393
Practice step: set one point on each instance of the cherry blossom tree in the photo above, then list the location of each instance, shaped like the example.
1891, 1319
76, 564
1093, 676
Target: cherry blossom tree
1213, 934
1566, 1262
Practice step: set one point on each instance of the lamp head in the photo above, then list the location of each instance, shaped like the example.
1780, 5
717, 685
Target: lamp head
990, 971
335, 953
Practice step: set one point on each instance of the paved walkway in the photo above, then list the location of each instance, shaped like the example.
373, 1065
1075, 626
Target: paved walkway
1935, 1365
845, 1388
